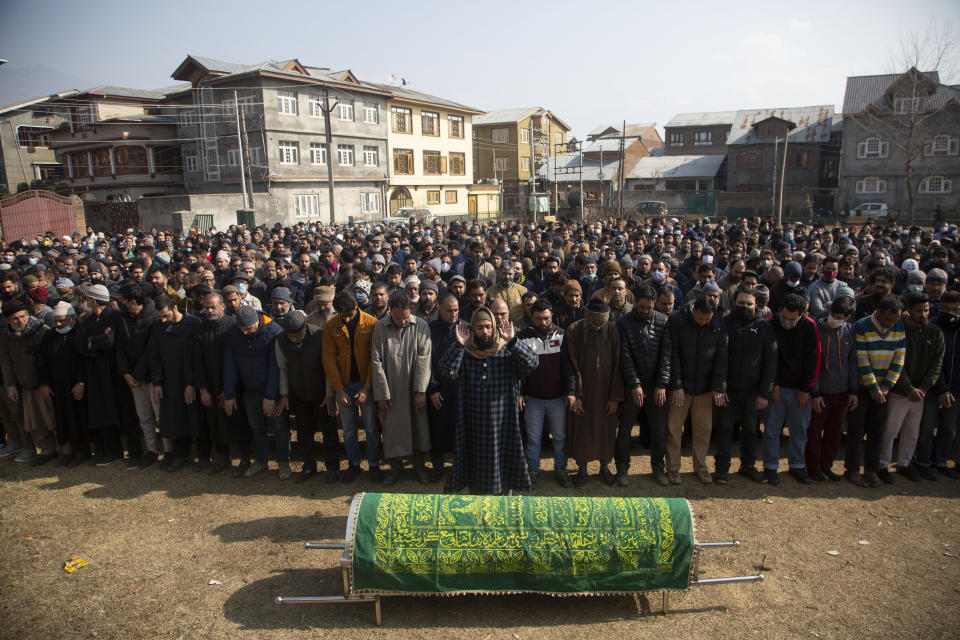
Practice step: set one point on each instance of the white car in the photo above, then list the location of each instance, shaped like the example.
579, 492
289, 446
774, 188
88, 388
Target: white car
871, 210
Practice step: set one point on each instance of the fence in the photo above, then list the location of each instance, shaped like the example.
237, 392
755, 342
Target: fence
34, 212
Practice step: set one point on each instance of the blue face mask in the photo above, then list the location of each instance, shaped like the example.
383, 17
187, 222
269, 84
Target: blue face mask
241, 288
658, 276
590, 277
360, 297
915, 288
32, 261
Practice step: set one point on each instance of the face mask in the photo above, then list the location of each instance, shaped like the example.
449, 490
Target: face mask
64, 330
360, 297
788, 324
951, 319
589, 277
915, 288
32, 261
790, 284
828, 276
766, 264
658, 276
444, 267
8, 258
241, 288
743, 314
707, 259
834, 323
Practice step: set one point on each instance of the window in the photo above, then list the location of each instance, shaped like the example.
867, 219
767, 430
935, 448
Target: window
306, 206
935, 184
524, 136
167, 160
345, 155
33, 136
371, 156
433, 164
79, 165
524, 162
287, 102
318, 153
873, 148
703, 137
315, 106
676, 137
130, 160
102, 164
450, 197
187, 118
371, 113
455, 124
50, 172
229, 107
500, 136
289, 152
458, 164
246, 103
871, 185
501, 164
941, 145
190, 162
429, 123
402, 119
256, 156
370, 202
772, 130
433, 197
798, 160
345, 109
233, 157
557, 141
905, 105
82, 116
212, 165
749, 160
403, 161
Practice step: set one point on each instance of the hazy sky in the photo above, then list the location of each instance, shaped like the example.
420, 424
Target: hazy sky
591, 62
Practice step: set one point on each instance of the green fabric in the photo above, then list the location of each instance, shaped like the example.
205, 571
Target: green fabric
407, 543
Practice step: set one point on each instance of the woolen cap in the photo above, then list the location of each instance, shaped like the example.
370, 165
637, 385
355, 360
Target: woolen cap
247, 316
281, 293
99, 293
293, 322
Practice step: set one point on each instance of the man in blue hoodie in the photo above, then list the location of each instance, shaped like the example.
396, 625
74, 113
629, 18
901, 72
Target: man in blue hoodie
250, 367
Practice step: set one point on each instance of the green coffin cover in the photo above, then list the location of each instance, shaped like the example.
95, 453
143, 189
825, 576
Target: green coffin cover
429, 544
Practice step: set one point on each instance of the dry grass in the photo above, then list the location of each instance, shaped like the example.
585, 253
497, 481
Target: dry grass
154, 540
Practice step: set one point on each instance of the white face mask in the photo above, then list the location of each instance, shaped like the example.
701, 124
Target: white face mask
707, 259
834, 323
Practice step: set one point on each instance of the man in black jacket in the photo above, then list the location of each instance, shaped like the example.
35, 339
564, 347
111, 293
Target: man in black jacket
303, 388
753, 347
698, 380
133, 364
798, 362
645, 362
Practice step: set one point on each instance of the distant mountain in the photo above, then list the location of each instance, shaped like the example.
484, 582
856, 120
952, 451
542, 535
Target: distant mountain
19, 83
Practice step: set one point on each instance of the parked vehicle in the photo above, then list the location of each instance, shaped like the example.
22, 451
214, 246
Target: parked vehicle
653, 208
403, 215
871, 210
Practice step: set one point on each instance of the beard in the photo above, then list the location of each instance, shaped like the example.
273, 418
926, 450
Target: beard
484, 344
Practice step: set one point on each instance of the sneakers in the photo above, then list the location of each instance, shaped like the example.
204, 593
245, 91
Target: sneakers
25, 455
219, 464
660, 477
391, 477
830, 475
351, 474
704, 476
623, 480
606, 476
176, 464
254, 469
909, 473
674, 477
886, 476
283, 471
105, 461
305, 474
720, 477
333, 475
165, 461
149, 457
11, 448
771, 477
855, 478
563, 477
133, 464
423, 476
817, 476
241, 469
801, 475
42, 459
752, 473
534, 476
580, 480
871, 480
926, 473
950, 473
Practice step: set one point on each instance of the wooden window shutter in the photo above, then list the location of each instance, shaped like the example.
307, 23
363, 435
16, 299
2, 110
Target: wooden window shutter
443, 164
884, 149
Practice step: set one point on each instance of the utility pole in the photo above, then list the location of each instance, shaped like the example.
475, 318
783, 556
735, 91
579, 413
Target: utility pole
620, 177
243, 177
556, 191
773, 191
327, 108
583, 217
533, 182
783, 174
245, 157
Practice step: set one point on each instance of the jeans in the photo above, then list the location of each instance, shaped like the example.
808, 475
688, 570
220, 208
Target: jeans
799, 420
936, 449
535, 411
868, 418
260, 424
741, 407
351, 417
903, 419
657, 423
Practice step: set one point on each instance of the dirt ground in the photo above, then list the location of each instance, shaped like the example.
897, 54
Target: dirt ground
155, 540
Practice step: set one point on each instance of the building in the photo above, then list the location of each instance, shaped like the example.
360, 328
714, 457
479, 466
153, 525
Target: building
896, 122
430, 151
118, 144
25, 153
703, 133
511, 146
687, 184
269, 118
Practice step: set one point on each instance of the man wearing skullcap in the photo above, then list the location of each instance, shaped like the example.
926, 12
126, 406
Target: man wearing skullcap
572, 307
508, 290
63, 380
37, 299
594, 387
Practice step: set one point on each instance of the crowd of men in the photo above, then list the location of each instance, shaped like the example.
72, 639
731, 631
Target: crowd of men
471, 343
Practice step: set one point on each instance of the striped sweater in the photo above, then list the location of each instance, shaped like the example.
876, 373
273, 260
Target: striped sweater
880, 356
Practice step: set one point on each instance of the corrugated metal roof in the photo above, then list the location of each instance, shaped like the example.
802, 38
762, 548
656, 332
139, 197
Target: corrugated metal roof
865, 91
506, 115
702, 119
813, 124
402, 92
142, 118
604, 144
654, 167
212, 64
125, 92
27, 103
568, 169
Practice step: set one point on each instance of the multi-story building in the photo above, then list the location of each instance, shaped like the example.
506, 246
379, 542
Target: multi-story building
901, 144
511, 145
279, 136
702, 133
25, 153
118, 144
430, 153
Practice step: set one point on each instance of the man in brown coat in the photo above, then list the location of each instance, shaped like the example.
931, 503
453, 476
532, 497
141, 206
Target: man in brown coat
591, 350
